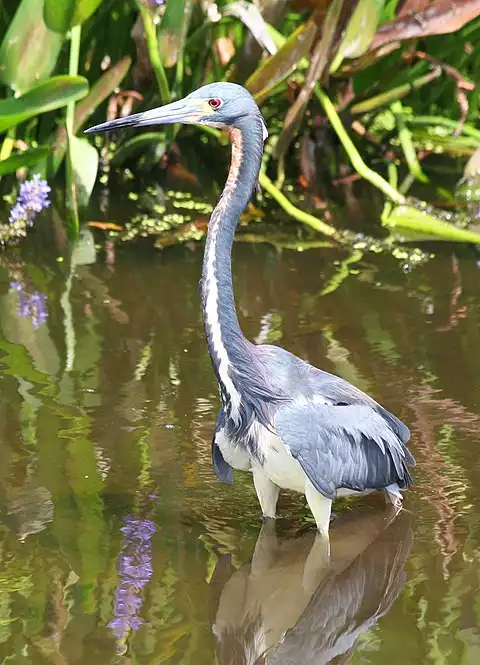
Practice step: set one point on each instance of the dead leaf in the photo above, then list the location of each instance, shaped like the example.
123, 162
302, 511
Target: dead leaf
251, 17
461, 85
441, 18
225, 49
105, 226
334, 25
411, 6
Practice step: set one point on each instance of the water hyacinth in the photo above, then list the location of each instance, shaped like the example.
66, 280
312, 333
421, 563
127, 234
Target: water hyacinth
32, 199
31, 305
134, 571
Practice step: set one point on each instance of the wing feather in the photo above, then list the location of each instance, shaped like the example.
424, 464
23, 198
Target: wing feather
353, 446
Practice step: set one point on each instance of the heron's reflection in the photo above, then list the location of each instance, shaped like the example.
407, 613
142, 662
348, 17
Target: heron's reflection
296, 603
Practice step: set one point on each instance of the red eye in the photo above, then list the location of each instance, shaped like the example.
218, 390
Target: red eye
215, 103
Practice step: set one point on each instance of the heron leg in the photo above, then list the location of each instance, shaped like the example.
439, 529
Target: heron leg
265, 550
317, 563
320, 506
267, 492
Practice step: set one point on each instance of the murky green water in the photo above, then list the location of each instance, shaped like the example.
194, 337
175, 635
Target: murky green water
109, 509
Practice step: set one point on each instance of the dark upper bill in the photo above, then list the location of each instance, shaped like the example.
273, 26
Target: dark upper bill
185, 111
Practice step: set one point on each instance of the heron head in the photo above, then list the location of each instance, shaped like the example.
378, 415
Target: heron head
221, 105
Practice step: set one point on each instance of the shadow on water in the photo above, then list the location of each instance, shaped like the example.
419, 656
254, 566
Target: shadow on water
113, 528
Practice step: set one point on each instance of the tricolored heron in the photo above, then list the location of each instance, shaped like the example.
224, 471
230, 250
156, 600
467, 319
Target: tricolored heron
292, 425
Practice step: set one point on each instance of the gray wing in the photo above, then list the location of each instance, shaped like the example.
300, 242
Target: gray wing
342, 393
291, 376
354, 446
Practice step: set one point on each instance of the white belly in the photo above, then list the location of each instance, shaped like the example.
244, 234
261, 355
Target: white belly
278, 464
236, 456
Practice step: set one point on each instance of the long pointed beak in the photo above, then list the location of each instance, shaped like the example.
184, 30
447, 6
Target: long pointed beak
186, 110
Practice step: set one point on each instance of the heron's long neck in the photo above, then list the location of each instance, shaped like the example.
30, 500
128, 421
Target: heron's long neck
225, 340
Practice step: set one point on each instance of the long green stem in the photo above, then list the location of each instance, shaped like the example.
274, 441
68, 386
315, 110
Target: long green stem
72, 204
357, 162
396, 93
435, 120
153, 51
293, 211
406, 142
73, 71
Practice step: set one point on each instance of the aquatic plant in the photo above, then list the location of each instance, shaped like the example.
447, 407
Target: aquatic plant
134, 571
32, 199
324, 71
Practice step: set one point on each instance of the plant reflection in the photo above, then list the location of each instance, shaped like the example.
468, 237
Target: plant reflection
84, 444
134, 571
31, 305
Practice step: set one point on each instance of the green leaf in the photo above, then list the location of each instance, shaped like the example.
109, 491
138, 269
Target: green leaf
29, 50
61, 15
138, 144
58, 14
84, 9
275, 69
395, 93
408, 219
173, 30
23, 159
47, 96
360, 32
100, 90
84, 160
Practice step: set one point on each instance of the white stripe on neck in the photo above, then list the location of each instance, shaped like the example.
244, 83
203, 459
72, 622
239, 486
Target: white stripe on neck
212, 318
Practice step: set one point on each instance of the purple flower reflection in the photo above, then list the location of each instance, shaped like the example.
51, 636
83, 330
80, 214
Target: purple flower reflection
134, 571
31, 305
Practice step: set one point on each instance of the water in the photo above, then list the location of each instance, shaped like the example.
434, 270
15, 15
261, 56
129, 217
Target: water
109, 509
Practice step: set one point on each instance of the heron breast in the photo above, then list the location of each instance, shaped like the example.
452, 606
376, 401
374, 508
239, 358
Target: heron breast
275, 459
233, 453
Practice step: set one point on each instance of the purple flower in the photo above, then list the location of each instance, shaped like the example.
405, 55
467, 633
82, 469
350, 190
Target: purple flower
31, 305
33, 198
134, 571
154, 4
